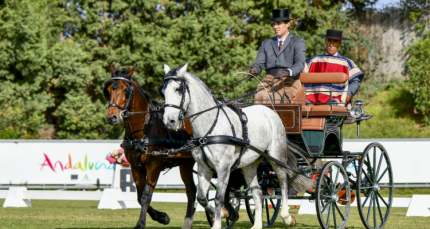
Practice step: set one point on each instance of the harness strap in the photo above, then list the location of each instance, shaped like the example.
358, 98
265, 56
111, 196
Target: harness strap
224, 139
231, 124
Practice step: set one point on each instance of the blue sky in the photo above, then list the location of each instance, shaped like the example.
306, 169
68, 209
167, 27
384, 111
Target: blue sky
379, 3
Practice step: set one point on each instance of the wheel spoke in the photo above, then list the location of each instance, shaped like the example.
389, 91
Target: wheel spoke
341, 187
385, 186
331, 179
334, 216
367, 176
379, 209
328, 185
366, 188
374, 163
337, 176
382, 175
267, 211
329, 197
328, 215
382, 199
364, 203
370, 208
374, 211
274, 208
344, 200
340, 213
325, 207
369, 166
379, 164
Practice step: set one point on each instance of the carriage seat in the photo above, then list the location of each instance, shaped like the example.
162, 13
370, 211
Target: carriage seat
317, 123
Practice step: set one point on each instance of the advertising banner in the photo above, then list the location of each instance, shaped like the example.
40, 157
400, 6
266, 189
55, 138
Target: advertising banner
84, 161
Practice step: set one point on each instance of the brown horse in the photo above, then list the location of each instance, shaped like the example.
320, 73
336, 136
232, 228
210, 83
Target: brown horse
145, 132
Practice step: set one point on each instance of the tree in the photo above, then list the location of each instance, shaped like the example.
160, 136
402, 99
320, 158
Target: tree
59, 52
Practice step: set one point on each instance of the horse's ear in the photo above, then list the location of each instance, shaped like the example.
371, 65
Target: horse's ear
131, 70
166, 69
112, 68
182, 71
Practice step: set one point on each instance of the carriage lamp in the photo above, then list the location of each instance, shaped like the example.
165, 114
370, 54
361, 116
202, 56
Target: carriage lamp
357, 112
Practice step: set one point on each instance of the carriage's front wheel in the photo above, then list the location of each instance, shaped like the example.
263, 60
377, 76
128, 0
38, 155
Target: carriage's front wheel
234, 202
333, 196
374, 186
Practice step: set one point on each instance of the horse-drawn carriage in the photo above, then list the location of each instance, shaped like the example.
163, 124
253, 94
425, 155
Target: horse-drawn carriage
318, 132
314, 132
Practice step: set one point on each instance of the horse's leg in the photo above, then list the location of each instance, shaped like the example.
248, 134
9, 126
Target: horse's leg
145, 194
281, 172
186, 170
250, 174
204, 177
223, 174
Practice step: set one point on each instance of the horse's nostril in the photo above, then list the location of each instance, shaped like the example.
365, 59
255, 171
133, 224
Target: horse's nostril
172, 121
114, 117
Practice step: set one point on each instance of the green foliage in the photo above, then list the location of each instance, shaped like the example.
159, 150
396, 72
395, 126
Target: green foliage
419, 70
393, 115
55, 55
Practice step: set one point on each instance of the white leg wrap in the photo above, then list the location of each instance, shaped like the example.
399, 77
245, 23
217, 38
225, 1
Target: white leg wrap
188, 222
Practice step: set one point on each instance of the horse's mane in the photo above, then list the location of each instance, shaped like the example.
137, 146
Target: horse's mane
174, 72
146, 94
199, 82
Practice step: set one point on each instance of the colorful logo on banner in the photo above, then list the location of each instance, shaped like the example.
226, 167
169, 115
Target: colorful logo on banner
80, 165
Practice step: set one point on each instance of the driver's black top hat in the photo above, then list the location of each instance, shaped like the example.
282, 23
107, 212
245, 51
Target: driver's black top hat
333, 34
280, 15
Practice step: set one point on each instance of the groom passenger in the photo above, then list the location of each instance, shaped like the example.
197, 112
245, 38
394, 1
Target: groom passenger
332, 61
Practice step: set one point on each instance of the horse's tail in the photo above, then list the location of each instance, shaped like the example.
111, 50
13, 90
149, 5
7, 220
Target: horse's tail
299, 181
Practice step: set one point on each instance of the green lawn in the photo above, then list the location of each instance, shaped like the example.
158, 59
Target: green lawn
84, 214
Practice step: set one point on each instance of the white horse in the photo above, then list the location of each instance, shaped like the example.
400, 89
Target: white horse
265, 131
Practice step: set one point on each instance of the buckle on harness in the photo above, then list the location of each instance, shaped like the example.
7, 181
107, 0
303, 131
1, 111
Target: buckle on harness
203, 141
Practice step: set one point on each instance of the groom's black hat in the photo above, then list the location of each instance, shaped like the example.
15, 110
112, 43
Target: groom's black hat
333, 34
280, 15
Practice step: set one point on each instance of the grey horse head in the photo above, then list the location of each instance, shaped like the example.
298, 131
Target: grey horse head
175, 94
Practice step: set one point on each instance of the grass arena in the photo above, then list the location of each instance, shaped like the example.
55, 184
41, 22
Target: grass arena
84, 214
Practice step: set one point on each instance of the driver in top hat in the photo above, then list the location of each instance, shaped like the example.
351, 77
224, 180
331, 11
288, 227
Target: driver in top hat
332, 61
283, 57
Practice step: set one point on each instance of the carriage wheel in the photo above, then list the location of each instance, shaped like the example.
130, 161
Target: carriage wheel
234, 201
374, 179
270, 205
333, 196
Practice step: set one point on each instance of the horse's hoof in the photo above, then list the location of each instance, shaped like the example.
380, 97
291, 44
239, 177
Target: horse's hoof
162, 218
138, 227
233, 215
293, 221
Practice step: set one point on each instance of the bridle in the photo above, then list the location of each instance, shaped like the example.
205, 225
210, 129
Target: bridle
129, 94
183, 88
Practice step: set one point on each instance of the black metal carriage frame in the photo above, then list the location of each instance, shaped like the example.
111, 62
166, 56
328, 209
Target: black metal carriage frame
318, 131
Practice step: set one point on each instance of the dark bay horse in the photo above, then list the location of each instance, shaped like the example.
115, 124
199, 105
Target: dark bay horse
129, 102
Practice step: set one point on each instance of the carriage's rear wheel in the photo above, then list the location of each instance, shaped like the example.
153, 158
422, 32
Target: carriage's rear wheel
234, 202
333, 196
271, 204
374, 186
